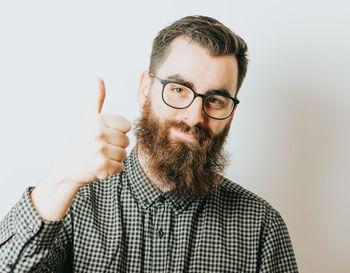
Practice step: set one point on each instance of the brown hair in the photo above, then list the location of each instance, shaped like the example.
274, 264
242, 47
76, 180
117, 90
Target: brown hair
208, 33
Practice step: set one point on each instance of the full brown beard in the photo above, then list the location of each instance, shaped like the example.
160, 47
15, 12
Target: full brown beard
190, 168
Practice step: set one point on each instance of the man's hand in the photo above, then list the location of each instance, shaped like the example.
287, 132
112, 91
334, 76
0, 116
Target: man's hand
95, 152
98, 147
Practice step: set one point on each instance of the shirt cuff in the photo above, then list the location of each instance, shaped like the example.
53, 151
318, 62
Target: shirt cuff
29, 224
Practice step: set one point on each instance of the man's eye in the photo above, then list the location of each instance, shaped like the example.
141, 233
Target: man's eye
213, 100
178, 90
217, 102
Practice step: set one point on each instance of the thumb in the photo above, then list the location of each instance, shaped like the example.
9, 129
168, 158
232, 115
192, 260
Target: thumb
101, 93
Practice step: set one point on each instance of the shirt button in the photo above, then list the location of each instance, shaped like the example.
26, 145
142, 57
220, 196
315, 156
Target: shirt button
29, 228
160, 233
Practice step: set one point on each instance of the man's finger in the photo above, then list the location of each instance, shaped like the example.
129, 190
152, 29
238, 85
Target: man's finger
101, 94
116, 122
114, 137
115, 153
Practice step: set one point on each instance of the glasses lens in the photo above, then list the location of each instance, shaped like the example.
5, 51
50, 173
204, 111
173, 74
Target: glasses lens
218, 106
177, 95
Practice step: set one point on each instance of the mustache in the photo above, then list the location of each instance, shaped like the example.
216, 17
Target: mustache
198, 131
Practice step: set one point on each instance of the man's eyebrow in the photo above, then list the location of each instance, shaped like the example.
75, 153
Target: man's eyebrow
222, 91
179, 79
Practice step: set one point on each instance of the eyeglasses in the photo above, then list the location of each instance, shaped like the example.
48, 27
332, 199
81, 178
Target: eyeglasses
178, 96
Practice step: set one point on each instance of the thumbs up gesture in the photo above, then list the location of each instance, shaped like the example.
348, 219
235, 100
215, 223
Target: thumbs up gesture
96, 151
98, 148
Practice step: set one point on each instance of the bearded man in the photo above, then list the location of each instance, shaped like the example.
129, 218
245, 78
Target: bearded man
165, 207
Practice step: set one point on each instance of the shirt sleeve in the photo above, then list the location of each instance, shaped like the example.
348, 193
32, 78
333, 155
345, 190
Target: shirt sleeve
276, 248
29, 243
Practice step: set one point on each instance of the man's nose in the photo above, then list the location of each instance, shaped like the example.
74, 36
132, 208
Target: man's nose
194, 113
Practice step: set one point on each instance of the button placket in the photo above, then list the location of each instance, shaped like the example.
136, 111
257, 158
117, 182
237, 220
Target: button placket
160, 235
159, 215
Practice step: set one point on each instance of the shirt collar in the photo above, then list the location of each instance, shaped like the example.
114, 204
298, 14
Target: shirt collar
147, 194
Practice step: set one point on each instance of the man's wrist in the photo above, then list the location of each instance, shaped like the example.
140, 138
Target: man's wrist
52, 198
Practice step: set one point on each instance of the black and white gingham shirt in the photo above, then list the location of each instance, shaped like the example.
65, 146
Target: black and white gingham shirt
123, 224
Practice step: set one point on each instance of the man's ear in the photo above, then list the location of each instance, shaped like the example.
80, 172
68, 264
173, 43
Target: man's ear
234, 110
144, 88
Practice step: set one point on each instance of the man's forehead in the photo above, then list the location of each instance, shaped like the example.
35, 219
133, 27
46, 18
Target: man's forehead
193, 63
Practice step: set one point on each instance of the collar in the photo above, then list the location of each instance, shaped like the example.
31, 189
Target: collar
147, 194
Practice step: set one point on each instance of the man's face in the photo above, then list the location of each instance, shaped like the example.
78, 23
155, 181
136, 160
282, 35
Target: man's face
193, 64
185, 147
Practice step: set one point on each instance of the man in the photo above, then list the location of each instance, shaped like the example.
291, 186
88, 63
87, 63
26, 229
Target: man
164, 208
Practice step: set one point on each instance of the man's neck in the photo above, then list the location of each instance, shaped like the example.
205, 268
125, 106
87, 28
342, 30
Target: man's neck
143, 159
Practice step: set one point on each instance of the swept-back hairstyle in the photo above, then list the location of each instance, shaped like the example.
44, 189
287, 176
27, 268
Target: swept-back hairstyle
206, 32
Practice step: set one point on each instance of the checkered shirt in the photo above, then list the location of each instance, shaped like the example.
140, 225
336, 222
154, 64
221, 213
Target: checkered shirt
124, 224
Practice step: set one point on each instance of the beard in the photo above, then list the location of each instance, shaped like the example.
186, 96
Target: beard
191, 168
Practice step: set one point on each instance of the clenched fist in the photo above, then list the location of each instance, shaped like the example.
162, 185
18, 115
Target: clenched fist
95, 152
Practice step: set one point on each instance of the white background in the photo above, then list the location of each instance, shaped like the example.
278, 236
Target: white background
290, 139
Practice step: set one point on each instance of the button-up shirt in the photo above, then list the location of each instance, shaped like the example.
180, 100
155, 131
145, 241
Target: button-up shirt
124, 224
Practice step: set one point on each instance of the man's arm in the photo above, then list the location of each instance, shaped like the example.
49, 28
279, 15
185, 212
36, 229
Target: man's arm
29, 243
33, 235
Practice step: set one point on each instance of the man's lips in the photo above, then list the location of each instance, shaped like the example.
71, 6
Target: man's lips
181, 134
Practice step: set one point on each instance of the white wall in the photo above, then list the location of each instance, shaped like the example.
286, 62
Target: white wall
290, 137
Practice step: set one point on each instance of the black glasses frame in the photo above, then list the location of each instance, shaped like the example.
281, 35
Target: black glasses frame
165, 82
